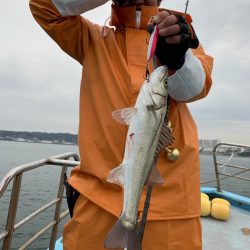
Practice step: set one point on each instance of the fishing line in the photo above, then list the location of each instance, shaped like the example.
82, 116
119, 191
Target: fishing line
224, 166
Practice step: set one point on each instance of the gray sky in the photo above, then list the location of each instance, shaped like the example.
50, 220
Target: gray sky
39, 83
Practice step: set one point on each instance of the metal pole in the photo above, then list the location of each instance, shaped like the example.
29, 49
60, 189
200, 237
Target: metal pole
216, 167
12, 211
58, 205
57, 210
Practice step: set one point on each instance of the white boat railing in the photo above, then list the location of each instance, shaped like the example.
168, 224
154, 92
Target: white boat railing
222, 175
15, 175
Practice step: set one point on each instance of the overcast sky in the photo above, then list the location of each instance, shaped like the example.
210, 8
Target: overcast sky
39, 84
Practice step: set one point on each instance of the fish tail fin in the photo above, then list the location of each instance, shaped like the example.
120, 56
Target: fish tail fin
117, 237
134, 240
121, 237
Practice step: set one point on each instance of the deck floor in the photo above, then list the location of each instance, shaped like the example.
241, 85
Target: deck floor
227, 235
220, 235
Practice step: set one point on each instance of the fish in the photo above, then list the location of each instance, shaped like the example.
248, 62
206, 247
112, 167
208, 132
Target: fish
147, 135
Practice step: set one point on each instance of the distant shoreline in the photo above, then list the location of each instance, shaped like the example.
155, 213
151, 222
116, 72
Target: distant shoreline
40, 142
39, 137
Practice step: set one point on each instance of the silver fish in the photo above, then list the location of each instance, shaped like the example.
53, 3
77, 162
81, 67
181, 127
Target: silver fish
147, 135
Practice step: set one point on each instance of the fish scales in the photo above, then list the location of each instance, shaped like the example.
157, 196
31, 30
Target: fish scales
146, 126
145, 142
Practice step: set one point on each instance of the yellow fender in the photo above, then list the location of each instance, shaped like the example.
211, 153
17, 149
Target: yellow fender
220, 209
205, 205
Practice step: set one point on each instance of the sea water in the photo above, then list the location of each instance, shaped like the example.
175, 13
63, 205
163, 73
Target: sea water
41, 185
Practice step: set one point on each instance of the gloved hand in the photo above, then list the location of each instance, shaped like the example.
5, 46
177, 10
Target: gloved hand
118, 1
176, 36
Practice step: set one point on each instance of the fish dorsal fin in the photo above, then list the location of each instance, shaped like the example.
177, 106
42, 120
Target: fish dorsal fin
165, 139
124, 115
154, 178
116, 176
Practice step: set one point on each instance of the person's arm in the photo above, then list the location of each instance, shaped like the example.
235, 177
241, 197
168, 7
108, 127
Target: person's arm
76, 7
63, 24
178, 48
193, 80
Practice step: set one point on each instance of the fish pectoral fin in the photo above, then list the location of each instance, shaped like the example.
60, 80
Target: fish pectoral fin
154, 178
116, 176
121, 237
124, 116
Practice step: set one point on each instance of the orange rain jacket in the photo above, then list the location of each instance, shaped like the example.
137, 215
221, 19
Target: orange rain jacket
113, 71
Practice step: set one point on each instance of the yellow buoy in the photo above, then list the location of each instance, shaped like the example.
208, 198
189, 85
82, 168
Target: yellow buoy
222, 201
205, 196
205, 206
220, 211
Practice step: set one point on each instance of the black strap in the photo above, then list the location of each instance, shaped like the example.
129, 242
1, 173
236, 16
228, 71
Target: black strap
71, 195
145, 212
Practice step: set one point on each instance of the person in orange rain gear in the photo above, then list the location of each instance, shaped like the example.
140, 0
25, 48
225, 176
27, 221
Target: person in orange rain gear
114, 63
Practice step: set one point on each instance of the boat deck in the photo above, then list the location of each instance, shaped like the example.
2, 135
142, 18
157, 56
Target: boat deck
227, 235
233, 234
